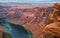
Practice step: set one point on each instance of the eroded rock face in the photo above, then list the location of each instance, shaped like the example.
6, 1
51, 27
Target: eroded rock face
53, 25
53, 29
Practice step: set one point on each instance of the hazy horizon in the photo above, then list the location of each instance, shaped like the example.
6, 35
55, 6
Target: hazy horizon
30, 1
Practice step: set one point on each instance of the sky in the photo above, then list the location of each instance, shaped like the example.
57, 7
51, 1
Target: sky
31, 1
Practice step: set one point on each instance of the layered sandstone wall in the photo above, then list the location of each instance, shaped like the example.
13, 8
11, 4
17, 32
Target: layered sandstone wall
52, 28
